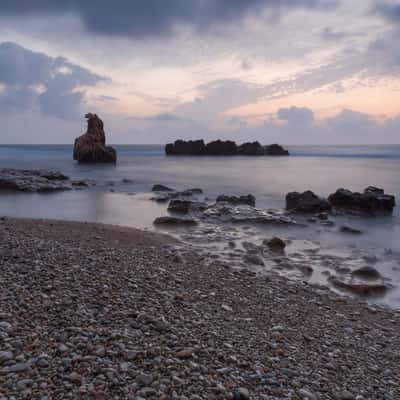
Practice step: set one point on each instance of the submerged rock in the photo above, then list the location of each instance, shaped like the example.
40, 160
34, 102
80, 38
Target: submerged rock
248, 199
161, 188
349, 229
372, 201
306, 202
91, 146
174, 221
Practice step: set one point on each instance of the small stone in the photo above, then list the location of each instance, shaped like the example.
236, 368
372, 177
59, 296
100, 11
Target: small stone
241, 394
307, 395
145, 379
5, 356
185, 353
19, 367
6, 327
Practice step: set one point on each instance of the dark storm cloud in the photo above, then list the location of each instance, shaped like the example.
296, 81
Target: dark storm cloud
31, 79
141, 18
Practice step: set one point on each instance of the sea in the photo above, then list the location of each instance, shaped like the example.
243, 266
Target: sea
122, 196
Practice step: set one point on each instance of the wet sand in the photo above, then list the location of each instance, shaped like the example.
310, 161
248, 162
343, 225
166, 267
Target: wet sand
96, 311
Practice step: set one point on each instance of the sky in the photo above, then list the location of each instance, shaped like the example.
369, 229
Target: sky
285, 71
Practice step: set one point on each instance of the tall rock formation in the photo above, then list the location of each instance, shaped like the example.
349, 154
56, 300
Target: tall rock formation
91, 146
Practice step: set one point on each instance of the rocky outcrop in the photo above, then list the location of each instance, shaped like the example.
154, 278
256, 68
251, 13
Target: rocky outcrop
182, 147
15, 180
91, 146
223, 148
306, 202
248, 199
179, 206
372, 201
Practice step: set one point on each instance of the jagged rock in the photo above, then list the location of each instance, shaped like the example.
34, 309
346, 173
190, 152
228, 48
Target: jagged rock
307, 202
161, 188
372, 201
249, 199
223, 148
179, 206
174, 221
91, 146
368, 273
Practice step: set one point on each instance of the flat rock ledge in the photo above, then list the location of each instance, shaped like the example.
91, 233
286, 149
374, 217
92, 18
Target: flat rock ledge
22, 180
223, 148
99, 312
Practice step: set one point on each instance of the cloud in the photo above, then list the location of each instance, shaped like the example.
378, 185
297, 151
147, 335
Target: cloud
31, 79
163, 117
389, 11
141, 18
106, 98
330, 35
296, 115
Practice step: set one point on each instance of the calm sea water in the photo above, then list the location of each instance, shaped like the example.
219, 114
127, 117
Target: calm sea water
322, 169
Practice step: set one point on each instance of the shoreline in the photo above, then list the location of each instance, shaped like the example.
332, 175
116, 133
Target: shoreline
99, 310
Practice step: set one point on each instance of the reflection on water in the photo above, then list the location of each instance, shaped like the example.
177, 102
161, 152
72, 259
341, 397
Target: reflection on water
89, 206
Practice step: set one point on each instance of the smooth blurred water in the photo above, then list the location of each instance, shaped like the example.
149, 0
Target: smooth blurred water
322, 169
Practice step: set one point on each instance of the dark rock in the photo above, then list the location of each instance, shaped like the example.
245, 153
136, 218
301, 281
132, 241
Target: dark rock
275, 150
182, 147
349, 229
91, 146
251, 149
179, 206
368, 273
360, 289
174, 221
307, 202
161, 188
276, 244
223, 148
372, 201
249, 199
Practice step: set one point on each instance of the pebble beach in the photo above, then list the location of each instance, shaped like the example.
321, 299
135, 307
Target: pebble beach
92, 311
